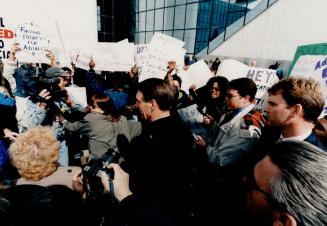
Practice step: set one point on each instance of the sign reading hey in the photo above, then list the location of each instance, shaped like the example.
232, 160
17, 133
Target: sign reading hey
263, 77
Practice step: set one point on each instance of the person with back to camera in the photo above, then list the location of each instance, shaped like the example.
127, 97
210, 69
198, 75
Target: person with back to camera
35, 154
103, 125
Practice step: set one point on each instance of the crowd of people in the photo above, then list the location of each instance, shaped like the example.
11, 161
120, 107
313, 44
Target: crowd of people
129, 159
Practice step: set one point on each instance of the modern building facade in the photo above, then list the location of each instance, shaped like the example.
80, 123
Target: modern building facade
115, 20
194, 22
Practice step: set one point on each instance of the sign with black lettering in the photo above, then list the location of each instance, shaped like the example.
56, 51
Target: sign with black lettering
33, 41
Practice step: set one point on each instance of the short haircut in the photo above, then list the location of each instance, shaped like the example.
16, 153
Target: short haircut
244, 86
178, 79
105, 103
159, 90
35, 153
301, 190
303, 91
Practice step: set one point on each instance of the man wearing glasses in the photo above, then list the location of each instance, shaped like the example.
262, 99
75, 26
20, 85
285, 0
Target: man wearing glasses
237, 130
288, 186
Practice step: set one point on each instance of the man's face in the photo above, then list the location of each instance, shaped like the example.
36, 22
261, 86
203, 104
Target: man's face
278, 110
234, 100
258, 187
144, 107
64, 81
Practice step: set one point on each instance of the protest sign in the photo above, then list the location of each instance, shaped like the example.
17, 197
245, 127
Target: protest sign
140, 54
305, 65
78, 95
166, 40
6, 38
263, 77
158, 56
33, 42
197, 74
84, 57
114, 56
315, 67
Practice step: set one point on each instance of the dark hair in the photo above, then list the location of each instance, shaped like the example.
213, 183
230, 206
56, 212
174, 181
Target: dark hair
223, 85
303, 91
159, 90
105, 104
301, 190
177, 78
54, 205
244, 86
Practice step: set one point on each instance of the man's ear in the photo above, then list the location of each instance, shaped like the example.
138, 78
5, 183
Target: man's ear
297, 110
284, 219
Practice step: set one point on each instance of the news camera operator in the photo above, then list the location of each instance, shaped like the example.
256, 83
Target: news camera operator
49, 99
135, 209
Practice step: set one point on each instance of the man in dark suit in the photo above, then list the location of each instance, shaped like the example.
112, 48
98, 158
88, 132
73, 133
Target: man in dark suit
294, 105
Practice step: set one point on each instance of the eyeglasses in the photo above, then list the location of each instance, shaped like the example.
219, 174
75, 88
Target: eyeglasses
230, 96
251, 184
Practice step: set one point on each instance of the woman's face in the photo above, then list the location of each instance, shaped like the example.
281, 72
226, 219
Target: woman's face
214, 90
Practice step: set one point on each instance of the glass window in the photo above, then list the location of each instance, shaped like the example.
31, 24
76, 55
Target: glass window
142, 21
170, 2
169, 18
179, 17
160, 3
136, 35
179, 34
191, 15
158, 19
189, 39
137, 24
142, 5
150, 4
142, 37
170, 33
149, 36
179, 2
149, 20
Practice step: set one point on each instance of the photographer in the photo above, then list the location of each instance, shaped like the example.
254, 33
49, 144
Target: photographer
135, 209
52, 101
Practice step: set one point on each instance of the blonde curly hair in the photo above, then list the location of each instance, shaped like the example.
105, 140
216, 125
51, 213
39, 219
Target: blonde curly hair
35, 153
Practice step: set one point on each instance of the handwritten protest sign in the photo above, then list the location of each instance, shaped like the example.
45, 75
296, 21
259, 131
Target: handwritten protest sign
315, 67
114, 56
197, 74
140, 54
33, 41
78, 95
6, 39
166, 40
263, 77
84, 57
160, 52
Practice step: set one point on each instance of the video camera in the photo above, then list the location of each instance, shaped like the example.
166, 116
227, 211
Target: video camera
32, 80
92, 171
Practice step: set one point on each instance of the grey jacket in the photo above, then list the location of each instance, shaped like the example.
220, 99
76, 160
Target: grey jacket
234, 139
103, 133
